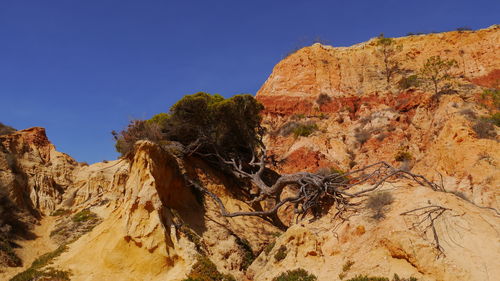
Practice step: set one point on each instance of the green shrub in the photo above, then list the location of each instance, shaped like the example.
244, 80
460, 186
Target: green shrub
305, 130
60, 212
194, 238
463, 28
269, 247
298, 116
323, 99
403, 156
407, 82
377, 203
436, 70
366, 278
362, 136
345, 268
227, 126
493, 95
5, 130
83, 216
36, 270
281, 253
295, 275
371, 278
248, 256
484, 129
205, 270
493, 119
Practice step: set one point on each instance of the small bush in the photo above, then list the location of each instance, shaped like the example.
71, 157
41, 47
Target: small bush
323, 99
362, 136
468, 113
5, 130
60, 212
366, 278
269, 247
371, 278
281, 253
205, 270
36, 272
323, 116
347, 266
463, 28
377, 203
295, 275
484, 129
298, 116
493, 95
83, 216
193, 237
304, 130
288, 128
411, 81
403, 156
493, 119
248, 256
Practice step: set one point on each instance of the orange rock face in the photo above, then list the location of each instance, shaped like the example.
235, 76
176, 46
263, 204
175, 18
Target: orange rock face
361, 119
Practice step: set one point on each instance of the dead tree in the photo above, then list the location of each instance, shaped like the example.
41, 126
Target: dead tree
425, 222
310, 191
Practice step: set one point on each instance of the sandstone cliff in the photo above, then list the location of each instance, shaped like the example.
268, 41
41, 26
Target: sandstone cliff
360, 120
137, 218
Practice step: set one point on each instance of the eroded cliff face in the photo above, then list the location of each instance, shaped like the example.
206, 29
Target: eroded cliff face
361, 120
137, 218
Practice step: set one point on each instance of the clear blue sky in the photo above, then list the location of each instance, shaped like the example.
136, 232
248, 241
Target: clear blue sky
81, 68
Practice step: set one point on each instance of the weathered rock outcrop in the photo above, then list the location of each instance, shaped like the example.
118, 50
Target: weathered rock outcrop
137, 218
360, 120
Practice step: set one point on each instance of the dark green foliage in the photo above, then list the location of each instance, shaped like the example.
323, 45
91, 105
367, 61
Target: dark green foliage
437, 70
281, 253
295, 275
377, 202
248, 256
304, 130
136, 130
493, 95
227, 126
84, 215
36, 270
464, 28
193, 237
407, 82
269, 247
371, 278
5, 130
205, 270
366, 278
60, 212
403, 156
323, 99
347, 266
493, 119
387, 49
484, 129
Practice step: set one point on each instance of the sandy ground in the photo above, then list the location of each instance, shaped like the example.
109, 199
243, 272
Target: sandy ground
31, 249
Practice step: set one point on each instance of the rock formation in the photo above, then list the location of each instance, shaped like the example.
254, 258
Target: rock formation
137, 218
